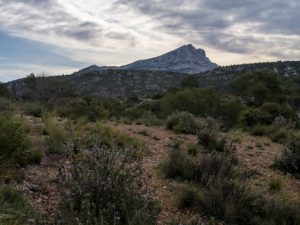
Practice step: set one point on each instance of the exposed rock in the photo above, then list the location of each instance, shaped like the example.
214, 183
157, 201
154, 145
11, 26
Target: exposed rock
186, 59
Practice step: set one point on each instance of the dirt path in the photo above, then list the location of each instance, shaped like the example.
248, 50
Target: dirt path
158, 140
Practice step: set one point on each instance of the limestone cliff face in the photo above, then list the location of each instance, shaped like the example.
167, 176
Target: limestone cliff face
186, 59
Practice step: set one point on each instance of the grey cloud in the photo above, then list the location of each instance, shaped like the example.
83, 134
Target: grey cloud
212, 21
46, 16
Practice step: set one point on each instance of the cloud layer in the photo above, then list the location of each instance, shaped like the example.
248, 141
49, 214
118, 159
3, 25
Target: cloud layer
120, 31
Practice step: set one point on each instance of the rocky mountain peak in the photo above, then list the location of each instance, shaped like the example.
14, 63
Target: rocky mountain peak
185, 59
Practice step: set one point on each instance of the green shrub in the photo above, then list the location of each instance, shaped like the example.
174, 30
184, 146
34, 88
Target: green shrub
56, 136
14, 143
290, 158
33, 109
211, 167
55, 141
267, 114
275, 184
230, 201
193, 149
6, 107
226, 195
176, 164
230, 110
270, 111
211, 141
190, 82
282, 135
91, 108
104, 188
250, 117
13, 208
134, 113
261, 130
183, 122
113, 138
198, 101
35, 156
281, 211
188, 197
259, 87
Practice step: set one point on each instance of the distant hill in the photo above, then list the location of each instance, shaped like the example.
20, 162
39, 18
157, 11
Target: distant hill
113, 83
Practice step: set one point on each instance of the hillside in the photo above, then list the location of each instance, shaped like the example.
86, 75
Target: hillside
126, 83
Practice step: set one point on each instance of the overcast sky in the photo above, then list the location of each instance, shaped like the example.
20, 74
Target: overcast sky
62, 36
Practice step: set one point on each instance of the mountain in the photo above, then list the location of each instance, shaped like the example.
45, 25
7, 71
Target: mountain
112, 83
186, 59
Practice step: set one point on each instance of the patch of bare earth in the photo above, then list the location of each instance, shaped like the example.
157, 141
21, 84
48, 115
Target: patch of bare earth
39, 182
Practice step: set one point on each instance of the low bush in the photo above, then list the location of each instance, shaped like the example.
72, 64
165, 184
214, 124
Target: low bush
261, 130
229, 200
13, 208
211, 141
35, 156
188, 197
282, 135
193, 149
92, 108
289, 161
56, 136
143, 116
226, 195
14, 143
6, 107
267, 114
280, 211
33, 109
176, 165
211, 167
105, 187
275, 184
113, 138
183, 122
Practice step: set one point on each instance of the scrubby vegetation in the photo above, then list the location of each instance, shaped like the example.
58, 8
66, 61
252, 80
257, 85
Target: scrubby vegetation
13, 207
106, 175
290, 159
14, 144
183, 122
104, 189
218, 188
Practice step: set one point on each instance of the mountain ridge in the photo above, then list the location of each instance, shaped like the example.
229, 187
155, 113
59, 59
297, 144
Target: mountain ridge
144, 84
185, 59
